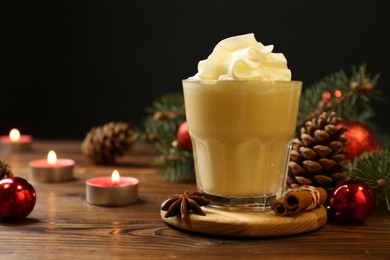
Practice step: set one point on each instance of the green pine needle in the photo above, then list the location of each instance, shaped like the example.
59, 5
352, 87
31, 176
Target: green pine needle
374, 170
160, 128
170, 102
177, 166
355, 108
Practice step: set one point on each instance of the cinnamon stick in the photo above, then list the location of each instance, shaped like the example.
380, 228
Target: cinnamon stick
303, 198
279, 207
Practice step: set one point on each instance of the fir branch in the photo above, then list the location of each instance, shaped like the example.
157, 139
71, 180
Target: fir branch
168, 103
177, 165
326, 106
164, 117
160, 128
353, 104
374, 170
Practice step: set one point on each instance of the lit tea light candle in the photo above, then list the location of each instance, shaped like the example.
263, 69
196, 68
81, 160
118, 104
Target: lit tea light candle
112, 191
15, 141
51, 169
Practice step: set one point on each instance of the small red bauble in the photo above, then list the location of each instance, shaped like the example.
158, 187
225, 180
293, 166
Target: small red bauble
351, 201
360, 140
17, 198
183, 137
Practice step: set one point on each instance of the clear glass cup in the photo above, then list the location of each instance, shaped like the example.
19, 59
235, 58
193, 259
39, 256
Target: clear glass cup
241, 132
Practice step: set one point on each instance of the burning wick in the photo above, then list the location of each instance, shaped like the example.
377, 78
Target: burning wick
51, 157
14, 135
115, 177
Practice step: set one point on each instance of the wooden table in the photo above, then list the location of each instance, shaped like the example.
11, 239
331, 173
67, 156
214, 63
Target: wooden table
63, 225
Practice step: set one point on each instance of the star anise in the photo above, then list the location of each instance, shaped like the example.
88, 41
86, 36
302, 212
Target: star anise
184, 203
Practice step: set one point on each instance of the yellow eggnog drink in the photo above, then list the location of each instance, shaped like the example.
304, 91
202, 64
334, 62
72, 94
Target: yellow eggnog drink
241, 131
241, 110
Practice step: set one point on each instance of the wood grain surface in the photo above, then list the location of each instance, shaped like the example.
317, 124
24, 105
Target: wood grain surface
64, 226
249, 224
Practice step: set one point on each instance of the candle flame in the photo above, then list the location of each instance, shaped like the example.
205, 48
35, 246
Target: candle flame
51, 157
14, 135
115, 177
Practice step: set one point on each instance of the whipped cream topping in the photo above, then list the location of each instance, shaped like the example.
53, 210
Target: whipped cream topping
243, 58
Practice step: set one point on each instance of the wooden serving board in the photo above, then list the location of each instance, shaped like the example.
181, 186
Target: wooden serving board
249, 224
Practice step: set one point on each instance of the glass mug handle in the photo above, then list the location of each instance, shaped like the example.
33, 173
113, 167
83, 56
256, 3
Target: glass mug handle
290, 146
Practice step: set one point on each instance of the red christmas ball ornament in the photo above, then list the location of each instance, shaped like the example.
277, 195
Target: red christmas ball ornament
359, 140
183, 137
17, 198
351, 201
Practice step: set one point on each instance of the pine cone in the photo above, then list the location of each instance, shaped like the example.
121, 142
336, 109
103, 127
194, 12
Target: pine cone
318, 157
104, 143
5, 170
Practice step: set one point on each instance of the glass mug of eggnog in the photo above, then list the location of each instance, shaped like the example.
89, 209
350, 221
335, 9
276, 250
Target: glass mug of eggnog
241, 110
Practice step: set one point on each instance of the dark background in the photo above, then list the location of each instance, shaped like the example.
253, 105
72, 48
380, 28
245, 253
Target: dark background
67, 66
